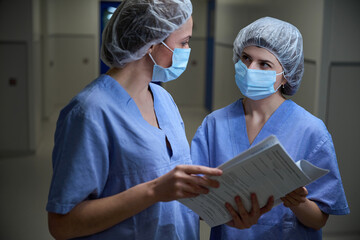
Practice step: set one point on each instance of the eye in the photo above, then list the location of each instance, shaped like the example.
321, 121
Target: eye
245, 58
265, 66
185, 43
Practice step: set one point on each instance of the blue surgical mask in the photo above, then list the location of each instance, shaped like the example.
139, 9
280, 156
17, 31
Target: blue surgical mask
255, 84
180, 60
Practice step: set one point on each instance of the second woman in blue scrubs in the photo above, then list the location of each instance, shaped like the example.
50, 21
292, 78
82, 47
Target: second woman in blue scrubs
269, 62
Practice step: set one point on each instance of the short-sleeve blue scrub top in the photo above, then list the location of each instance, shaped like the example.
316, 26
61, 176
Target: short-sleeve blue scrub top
103, 146
223, 135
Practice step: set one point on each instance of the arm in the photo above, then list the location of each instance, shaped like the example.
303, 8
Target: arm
306, 211
94, 216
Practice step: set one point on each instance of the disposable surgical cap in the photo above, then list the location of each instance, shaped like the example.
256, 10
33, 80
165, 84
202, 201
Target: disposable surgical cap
136, 25
281, 39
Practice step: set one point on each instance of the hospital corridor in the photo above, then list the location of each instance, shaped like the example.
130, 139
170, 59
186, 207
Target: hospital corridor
49, 51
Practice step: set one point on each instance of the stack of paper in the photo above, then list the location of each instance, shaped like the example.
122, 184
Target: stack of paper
265, 169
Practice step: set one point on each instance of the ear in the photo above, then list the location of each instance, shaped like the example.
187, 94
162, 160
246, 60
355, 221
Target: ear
153, 48
150, 49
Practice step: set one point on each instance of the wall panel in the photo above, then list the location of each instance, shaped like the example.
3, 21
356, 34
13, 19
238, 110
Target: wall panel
14, 118
343, 116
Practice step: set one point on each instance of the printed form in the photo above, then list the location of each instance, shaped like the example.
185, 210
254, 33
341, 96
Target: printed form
265, 169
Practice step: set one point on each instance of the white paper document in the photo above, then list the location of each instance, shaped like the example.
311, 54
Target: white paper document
265, 169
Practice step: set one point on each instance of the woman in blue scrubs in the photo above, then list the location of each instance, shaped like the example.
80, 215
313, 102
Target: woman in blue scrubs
121, 155
269, 62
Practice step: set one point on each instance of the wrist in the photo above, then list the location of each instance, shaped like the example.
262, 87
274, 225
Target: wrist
150, 191
300, 206
309, 214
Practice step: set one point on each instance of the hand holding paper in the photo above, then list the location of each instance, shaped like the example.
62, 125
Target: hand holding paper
265, 169
295, 197
243, 219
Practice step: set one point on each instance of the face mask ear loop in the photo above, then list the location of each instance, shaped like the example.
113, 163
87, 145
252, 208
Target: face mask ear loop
283, 85
152, 59
167, 46
280, 83
279, 87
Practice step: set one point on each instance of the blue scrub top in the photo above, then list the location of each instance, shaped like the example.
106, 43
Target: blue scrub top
223, 135
103, 146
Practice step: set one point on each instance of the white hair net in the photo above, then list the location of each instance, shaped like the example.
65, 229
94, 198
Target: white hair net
136, 25
280, 38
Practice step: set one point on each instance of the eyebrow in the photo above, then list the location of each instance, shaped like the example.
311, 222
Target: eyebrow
187, 39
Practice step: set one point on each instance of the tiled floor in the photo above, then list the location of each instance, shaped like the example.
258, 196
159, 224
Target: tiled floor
24, 184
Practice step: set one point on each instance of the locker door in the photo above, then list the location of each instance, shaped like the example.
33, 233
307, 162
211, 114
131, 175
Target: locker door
14, 132
343, 123
73, 65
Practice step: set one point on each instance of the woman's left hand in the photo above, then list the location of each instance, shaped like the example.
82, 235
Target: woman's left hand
294, 198
243, 219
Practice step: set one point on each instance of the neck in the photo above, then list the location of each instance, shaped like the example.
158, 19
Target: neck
263, 108
134, 78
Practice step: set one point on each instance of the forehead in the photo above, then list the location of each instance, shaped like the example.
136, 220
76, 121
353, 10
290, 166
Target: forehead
259, 53
184, 31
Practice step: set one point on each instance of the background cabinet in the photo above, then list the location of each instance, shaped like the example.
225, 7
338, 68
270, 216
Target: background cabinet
14, 109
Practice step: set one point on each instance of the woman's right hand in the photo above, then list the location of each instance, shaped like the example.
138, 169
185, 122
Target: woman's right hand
93, 216
184, 182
